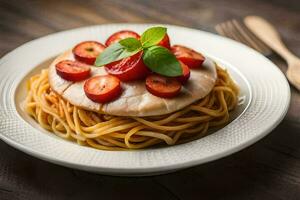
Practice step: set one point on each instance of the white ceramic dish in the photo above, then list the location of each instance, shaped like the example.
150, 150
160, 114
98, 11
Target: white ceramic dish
264, 100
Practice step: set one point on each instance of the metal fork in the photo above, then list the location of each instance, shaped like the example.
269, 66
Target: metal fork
239, 32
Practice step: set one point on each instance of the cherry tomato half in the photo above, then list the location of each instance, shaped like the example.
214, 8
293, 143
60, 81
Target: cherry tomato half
162, 86
188, 56
102, 88
129, 69
165, 42
88, 51
116, 37
185, 73
73, 70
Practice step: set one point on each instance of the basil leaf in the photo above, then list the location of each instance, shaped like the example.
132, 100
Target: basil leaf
153, 36
115, 52
131, 44
162, 61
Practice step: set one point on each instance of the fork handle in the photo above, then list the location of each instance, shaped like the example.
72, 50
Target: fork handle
268, 34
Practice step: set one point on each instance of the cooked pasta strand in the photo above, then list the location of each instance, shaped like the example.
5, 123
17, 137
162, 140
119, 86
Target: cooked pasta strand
108, 132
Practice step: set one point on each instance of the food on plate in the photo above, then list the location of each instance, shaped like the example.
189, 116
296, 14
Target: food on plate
188, 56
139, 91
103, 88
186, 73
120, 35
128, 69
88, 51
161, 86
72, 70
165, 42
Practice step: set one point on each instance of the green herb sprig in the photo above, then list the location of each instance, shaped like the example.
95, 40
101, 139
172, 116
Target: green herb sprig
157, 58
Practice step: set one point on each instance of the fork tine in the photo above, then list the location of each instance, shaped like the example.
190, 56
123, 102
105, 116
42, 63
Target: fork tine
239, 36
250, 37
267, 49
234, 30
237, 28
227, 29
219, 29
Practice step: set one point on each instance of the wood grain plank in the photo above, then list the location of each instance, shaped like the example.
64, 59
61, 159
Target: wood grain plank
117, 13
269, 169
148, 12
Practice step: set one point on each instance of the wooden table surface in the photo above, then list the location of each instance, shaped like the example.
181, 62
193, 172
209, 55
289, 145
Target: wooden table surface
269, 169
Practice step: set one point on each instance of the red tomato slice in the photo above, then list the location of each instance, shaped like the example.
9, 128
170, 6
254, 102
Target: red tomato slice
88, 51
116, 37
72, 70
185, 73
162, 86
103, 88
188, 56
129, 69
165, 42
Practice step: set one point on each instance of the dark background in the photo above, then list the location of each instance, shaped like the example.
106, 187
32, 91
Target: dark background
269, 169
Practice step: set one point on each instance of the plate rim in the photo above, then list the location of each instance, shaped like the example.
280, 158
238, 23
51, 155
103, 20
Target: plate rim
146, 169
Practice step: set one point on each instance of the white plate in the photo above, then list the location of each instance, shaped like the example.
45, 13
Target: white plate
265, 97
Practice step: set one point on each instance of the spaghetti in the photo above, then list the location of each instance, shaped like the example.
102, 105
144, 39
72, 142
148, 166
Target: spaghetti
109, 132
